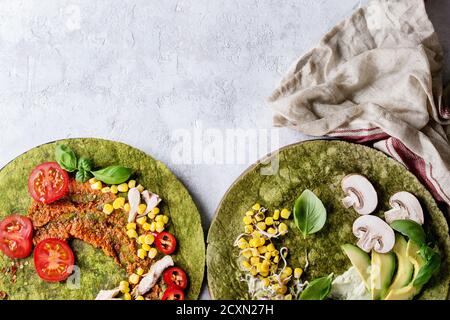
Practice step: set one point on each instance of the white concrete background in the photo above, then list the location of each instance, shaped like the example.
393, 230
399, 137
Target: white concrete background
134, 71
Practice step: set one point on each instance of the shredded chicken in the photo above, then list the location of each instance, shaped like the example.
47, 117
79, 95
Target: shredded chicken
150, 279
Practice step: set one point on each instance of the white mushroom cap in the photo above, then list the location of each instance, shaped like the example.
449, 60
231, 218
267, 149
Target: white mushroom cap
373, 233
405, 206
361, 194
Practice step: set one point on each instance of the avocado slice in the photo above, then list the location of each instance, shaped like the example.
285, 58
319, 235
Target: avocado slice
409, 292
360, 260
405, 268
381, 273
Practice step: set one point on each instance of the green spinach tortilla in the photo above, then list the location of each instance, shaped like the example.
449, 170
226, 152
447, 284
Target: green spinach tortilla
98, 271
319, 166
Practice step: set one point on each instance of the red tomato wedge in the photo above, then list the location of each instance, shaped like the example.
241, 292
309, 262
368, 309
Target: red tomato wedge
53, 260
48, 182
173, 294
16, 233
166, 242
175, 277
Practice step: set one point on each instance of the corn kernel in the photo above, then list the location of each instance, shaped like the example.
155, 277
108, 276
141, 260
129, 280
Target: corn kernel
255, 252
159, 226
248, 229
149, 239
134, 278
243, 246
141, 239
141, 253
268, 255
262, 249
288, 297
265, 282
271, 231
92, 180
247, 253
253, 243
141, 220
140, 271
260, 216
152, 253
276, 259
124, 289
298, 273
127, 296
282, 290
155, 210
269, 221
285, 213
140, 188
249, 213
97, 186
124, 284
119, 203
246, 265
264, 266
132, 233
159, 218
254, 261
165, 219
253, 271
131, 184
153, 226
114, 190
131, 225
106, 190
142, 207
122, 187
126, 207
108, 209
256, 206
256, 234
146, 226
282, 228
270, 247
146, 247
261, 225
261, 242
140, 298
276, 215
247, 220
287, 271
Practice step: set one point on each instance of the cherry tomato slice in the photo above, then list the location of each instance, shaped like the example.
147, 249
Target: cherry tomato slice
173, 294
16, 233
166, 242
175, 277
53, 260
48, 182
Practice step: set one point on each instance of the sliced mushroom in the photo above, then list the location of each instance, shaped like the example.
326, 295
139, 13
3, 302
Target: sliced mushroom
373, 233
134, 198
151, 199
361, 194
405, 206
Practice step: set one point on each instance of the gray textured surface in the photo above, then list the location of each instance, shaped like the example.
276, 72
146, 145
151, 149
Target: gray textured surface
136, 70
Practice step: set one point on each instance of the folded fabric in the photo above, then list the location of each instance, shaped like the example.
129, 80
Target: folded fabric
376, 78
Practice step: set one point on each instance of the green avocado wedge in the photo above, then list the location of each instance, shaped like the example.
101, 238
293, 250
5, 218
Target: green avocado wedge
381, 273
319, 166
405, 269
96, 270
360, 260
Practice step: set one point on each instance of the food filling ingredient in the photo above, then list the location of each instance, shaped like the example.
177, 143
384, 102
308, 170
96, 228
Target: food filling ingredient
16, 236
360, 194
48, 182
373, 233
53, 260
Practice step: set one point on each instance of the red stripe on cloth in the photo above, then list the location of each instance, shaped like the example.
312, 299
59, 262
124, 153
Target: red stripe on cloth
418, 166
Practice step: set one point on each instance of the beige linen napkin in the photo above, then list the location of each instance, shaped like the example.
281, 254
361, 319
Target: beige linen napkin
375, 78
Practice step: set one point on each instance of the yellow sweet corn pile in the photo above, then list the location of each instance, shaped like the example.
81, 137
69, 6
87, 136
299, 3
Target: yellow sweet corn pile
258, 254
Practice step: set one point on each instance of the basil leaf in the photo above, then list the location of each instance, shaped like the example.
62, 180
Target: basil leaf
66, 158
83, 176
84, 164
113, 174
430, 268
411, 229
309, 213
317, 289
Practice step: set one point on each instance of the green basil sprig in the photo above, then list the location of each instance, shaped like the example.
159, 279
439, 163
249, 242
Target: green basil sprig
411, 229
432, 265
113, 174
318, 289
310, 214
66, 158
